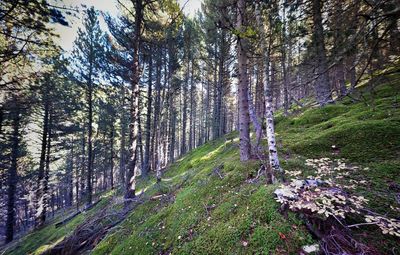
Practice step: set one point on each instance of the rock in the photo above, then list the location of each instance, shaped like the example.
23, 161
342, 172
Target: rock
309, 249
285, 193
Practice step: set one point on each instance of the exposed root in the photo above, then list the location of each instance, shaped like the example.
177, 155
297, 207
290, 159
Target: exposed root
336, 239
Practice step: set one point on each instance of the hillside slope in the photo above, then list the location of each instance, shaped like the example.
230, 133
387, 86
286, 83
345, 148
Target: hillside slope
218, 211
208, 202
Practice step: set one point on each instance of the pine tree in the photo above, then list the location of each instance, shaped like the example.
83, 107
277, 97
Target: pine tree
87, 55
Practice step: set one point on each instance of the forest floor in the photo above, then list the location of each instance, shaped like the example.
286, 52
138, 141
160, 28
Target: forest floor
210, 203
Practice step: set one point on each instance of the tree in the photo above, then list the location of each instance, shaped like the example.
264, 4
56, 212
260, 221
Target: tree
272, 150
12, 173
322, 88
134, 104
244, 119
87, 55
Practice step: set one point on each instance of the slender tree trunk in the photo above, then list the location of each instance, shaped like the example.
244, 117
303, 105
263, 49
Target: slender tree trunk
1, 119
70, 177
41, 170
172, 117
172, 136
122, 157
201, 117
12, 175
157, 112
140, 142
77, 186
254, 119
339, 44
284, 67
341, 83
272, 150
192, 111
220, 85
47, 171
89, 188
112, 155
83, 166
322, 87
244, 118
351, 72
260, 97
133, 133
184, 110
207, 113
146, 164
215, 126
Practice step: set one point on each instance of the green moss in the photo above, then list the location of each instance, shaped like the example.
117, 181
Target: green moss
366, 133
48, 236
205, 214
360, 132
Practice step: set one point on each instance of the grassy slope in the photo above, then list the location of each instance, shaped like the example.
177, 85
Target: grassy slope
208, 215
48, 236
203, 214
366, 133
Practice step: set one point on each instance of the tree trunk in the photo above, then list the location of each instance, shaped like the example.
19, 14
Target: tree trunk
77, 186
244, 119
133, 132
192, 130
47, 170
341, 83
322, 87
83, 166
122, 157
339, 44
1, 119
112, 155
260, 97
172, 129
157, 113
89, 176
70, 176
221, 81
12, 175
184, 110
140, 141
284, 68
41, 170
146, 164
254, 119
215, 126
207, 113
272, 150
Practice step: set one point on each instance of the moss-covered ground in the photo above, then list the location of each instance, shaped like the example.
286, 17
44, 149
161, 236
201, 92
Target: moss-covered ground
40, 240
365, 132
206, 214
199, 210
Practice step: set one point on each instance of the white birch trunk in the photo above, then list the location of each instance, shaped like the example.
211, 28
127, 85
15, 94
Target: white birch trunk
269, 116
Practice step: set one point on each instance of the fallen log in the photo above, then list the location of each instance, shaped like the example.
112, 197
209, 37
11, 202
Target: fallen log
69, 218
59, 224
158, 197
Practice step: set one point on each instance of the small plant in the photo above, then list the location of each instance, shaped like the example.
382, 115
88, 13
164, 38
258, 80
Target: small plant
330, 194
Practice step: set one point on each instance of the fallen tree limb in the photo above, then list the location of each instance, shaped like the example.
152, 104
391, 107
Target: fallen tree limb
69, 218
59, 224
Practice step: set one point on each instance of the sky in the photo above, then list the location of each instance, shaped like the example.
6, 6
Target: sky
68, 34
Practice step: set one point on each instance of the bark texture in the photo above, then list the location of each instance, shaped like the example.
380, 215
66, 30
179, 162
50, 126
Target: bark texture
244, 118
